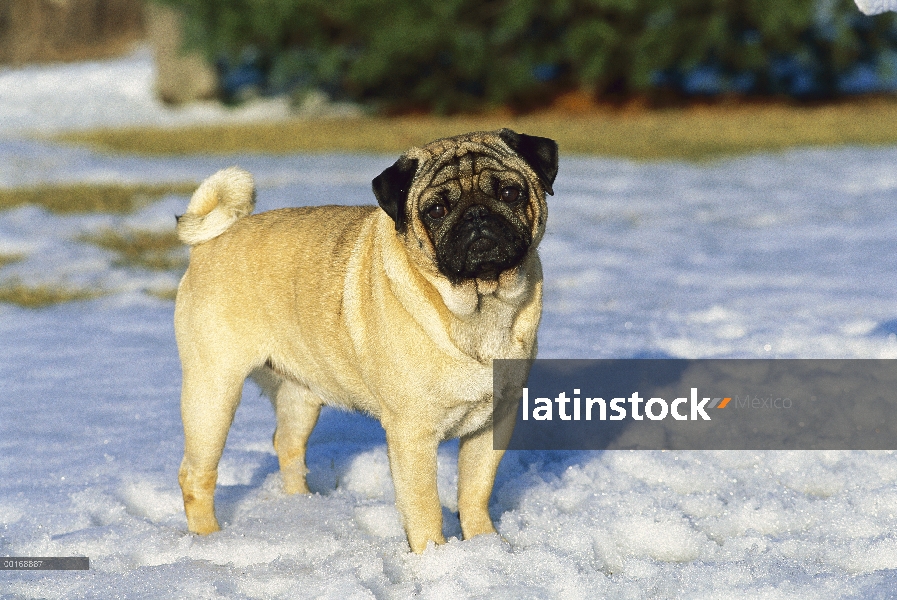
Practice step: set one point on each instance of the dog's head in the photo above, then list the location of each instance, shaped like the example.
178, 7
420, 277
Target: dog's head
474, 204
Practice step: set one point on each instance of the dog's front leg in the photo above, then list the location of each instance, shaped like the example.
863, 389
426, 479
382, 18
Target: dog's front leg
412, 460
477, 464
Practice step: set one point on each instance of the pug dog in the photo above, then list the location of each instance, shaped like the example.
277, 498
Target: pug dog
397, 311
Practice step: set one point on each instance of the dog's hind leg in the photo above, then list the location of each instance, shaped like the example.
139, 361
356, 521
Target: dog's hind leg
209, 399
297, 411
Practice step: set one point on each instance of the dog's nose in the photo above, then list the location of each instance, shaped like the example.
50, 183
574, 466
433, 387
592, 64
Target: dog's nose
477, 211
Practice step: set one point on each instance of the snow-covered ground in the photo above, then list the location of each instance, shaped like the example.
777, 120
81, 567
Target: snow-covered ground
114, 93
788, 255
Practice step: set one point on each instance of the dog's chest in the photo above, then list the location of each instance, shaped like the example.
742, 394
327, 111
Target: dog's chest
488, 332
466, 418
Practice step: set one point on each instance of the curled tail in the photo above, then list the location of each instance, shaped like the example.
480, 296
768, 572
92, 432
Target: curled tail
218, 202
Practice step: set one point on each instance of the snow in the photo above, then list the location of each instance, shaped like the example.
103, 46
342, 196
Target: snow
115, 93
876, 7
778, 255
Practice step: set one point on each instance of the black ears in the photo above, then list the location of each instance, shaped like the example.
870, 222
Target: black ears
539, 153
391, 189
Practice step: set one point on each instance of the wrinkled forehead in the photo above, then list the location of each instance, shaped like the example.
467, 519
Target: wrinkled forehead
476, 141
468, 168
470, 158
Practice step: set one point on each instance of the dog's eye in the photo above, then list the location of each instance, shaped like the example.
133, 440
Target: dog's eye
509, 194
437, 211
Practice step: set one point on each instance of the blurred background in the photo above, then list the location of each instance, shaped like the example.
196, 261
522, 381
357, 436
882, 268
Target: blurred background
406, 56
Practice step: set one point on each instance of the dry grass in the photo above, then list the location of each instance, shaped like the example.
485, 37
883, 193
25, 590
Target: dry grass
89, 197
164, 294
696, 133
157, 251
39, 296
8, 259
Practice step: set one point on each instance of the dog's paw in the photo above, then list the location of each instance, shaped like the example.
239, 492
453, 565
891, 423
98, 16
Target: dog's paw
294, 483
204, 526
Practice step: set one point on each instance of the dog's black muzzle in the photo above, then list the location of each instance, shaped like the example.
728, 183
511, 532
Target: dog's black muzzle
481, 245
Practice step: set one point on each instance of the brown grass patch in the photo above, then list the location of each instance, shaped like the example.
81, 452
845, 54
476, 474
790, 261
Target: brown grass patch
164, 294
8, 259
89, 197
40, 296
157, 251
695, 133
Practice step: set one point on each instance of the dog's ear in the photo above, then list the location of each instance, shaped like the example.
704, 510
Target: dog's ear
539, 153
391, 189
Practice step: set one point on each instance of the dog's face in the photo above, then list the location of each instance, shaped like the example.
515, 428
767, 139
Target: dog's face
474, 204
